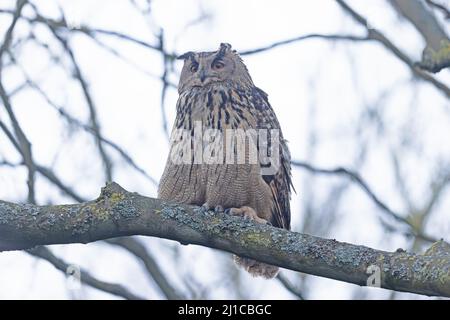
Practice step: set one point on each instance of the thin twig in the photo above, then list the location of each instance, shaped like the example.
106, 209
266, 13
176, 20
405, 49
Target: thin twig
134, 65
356, 178
8, 36
62, 24
22, 143
46, 172
289, 286
112, 288
305, 37
89, 129
378, 36
165, 84
90, 102
93, 115
440, 7
137, 249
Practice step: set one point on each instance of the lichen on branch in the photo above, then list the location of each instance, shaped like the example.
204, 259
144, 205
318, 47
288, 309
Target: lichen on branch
117, 212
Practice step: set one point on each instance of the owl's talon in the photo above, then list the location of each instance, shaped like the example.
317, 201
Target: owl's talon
205, 208
247, 213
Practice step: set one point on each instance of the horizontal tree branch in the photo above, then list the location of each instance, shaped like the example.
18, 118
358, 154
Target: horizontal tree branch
117, 212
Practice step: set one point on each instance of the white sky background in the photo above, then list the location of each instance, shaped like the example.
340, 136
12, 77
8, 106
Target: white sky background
313, 84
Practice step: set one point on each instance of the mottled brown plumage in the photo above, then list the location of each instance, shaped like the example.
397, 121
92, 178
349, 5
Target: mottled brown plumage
217, 92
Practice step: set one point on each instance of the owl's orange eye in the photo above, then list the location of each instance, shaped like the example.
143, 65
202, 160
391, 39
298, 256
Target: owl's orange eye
194, 67
217, 65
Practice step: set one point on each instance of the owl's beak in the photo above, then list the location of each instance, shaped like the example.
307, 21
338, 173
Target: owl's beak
202, 75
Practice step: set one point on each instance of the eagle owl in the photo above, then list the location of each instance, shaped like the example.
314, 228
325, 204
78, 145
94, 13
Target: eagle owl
217, 95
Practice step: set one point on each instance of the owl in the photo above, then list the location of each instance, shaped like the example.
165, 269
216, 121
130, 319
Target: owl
222, 146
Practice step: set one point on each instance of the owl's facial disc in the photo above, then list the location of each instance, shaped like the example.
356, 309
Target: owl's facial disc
209, 69
202, 69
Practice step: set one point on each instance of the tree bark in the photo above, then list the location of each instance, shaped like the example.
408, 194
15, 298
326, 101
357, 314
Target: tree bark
436, 55
117, 212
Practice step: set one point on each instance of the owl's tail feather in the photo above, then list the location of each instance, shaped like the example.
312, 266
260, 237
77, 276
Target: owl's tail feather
256, 268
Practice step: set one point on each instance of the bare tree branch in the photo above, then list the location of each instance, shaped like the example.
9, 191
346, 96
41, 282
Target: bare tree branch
289, 286
305, 37
165, 83
53, 178
436, 55
8, 36
140, 251
92, 108
133, 246
120, 213
46, 172
365, 187
112, 288
378, 36
129, 62
62, 24
72, 120
23, 145
440, 7
64, 31
129, 244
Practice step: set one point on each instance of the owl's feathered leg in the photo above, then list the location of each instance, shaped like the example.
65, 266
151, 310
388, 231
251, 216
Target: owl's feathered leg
255, 268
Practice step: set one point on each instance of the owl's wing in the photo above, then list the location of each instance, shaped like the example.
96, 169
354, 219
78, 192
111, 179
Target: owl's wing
280, 182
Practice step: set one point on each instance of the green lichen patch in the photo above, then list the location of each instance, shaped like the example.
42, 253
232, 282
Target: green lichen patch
99, 212
114, 203
436, 60
256, 238
439, 248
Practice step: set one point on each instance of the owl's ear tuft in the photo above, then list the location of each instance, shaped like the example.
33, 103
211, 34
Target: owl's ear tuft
185, 56
224, 47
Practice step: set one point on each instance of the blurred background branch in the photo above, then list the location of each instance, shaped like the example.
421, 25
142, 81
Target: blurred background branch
436, 55
112, 288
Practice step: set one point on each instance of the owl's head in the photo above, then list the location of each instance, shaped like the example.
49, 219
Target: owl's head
202, 69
